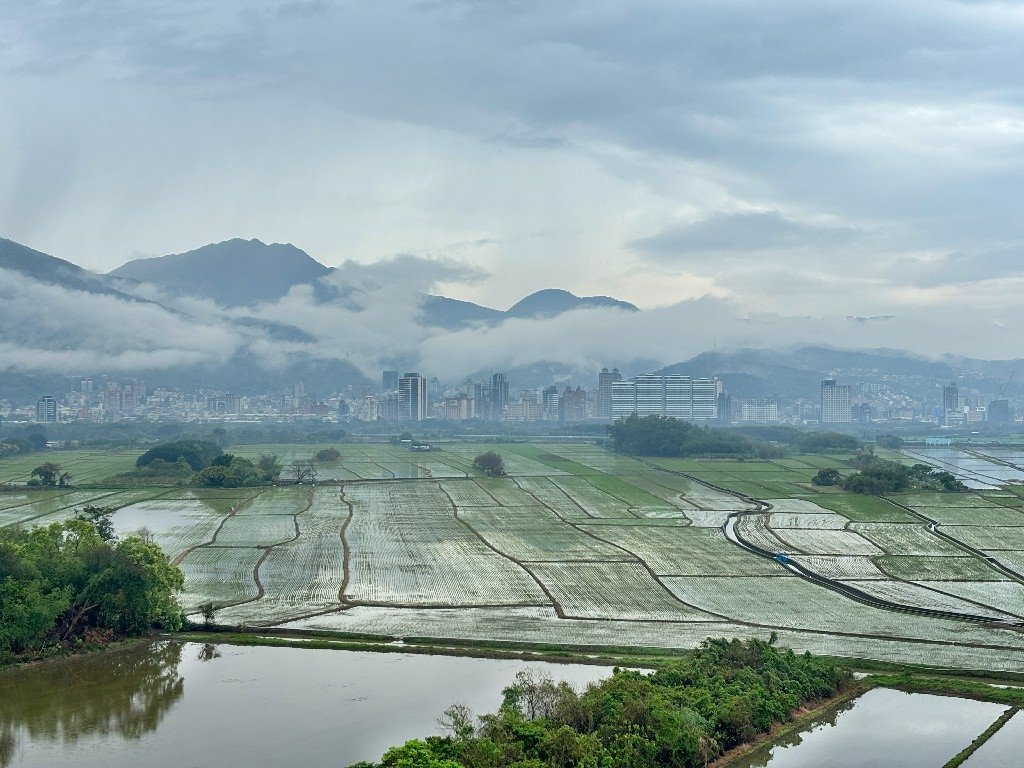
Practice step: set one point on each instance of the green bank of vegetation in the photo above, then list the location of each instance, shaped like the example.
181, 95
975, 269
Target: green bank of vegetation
683, 715
876, 476
202, 463
71, 585
669, 437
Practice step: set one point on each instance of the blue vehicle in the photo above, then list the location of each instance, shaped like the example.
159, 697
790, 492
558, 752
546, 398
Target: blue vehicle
783, 558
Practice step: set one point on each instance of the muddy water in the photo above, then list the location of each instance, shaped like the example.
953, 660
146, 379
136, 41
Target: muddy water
173, 705
882, 728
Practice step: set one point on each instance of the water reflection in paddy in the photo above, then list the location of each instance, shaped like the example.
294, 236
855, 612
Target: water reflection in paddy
173, 705
882, 728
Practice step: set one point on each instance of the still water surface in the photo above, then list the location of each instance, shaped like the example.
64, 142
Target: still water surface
1004, 750
178, 705
882, 728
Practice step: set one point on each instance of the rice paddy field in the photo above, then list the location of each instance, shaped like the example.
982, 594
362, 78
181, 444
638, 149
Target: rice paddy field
577, 545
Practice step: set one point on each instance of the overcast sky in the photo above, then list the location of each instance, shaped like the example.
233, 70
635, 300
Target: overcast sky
818, 158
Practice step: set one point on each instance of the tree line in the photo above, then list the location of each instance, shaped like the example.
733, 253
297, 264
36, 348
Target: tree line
670, 437
876, 476
72, 583
684, 715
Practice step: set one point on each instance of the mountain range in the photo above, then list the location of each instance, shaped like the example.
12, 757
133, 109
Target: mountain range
243, 273
243, 278
247, 316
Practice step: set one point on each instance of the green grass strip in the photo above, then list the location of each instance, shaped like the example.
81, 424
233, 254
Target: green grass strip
949, 686
987, 734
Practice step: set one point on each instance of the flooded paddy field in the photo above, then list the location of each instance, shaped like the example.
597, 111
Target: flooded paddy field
178, 705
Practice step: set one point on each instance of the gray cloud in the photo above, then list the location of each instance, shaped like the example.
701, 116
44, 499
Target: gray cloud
868, 133
958, 268
742, 233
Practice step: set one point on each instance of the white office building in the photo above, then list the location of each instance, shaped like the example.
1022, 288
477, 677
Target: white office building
761, 410
836, 402
674, 396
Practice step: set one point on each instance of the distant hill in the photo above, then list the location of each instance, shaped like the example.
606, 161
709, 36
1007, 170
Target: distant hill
553, 301
442, 312
798, 372
232, 273
49, 269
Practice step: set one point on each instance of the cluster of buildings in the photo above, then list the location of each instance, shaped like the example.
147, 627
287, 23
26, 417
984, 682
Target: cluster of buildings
412, 397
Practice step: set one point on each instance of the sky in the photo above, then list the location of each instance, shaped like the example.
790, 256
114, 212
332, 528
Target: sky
838, 165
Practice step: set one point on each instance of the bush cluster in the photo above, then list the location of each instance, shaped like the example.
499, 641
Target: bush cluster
682, 716
59, 582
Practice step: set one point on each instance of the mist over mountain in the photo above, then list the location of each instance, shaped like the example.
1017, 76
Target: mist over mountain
253, 328
40, 266
796, 373
552, 301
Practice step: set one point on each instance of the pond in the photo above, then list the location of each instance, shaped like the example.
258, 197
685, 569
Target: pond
177, 705
882, 727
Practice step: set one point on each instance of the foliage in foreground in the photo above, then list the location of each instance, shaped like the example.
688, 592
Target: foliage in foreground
685, 714
65, 582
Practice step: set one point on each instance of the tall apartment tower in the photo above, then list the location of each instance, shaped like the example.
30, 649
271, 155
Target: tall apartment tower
412, 397
389, 381
950, 398
836, 402
46, 410
605, 379
499, 396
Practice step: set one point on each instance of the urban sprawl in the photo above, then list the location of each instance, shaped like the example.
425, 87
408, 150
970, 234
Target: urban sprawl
412, 397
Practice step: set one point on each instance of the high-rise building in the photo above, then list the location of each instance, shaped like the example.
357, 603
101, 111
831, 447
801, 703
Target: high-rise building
46, 410
950, 401
836, 402
499, 396
674, 396
999, 411
389, 381
572, 406
605, 379
412, 397
725, 408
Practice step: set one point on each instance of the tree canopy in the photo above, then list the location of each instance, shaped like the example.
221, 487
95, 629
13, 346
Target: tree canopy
682, 716
62, 582
659, 436
877, 476
490, 463
199, 454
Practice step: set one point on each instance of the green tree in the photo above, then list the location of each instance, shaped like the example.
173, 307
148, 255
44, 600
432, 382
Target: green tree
270, 466
490, 463
47, 473
826, 476
198, 453
327, 455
